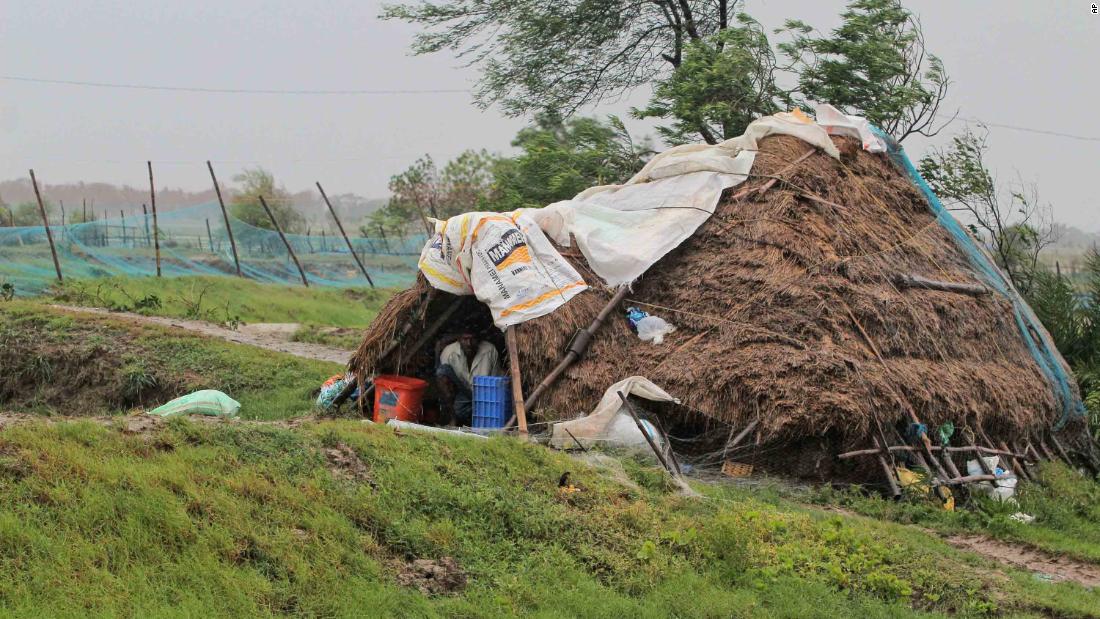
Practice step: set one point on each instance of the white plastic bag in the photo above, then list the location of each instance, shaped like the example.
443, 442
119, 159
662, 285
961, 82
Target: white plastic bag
205, 402
654, 329
1002, 489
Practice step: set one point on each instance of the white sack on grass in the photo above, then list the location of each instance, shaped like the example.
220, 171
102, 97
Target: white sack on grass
605, 420
503, 259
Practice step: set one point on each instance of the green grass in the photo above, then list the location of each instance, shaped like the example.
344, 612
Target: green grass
337, 337
246, 520
225, 299
56, 362
1065, 504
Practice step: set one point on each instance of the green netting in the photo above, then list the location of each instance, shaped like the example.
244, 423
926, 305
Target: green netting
124, 246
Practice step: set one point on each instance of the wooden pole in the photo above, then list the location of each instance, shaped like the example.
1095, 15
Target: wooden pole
122, 222
84, 209
225, 216
145, 218
106, 230
576, 347
517, 384
46, 223
153, 204
648, 438
209, 235
340, 227
282, 236
382, 232
883, 454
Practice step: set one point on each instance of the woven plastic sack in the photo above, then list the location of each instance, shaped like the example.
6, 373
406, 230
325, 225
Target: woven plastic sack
205, 402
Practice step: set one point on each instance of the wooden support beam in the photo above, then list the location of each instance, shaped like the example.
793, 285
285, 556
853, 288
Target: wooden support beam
46, 224
153, 204
916, 281
576, 348
1017, 464
884, 459
894, 448
340, 227
1060, 450
517, 385
289, 249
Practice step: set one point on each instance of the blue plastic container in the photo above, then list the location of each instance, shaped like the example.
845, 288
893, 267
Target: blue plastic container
492, 401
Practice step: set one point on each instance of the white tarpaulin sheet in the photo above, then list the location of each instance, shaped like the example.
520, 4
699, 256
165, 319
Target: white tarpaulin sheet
622, 230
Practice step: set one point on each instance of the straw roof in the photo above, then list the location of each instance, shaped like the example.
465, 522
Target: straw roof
787, 310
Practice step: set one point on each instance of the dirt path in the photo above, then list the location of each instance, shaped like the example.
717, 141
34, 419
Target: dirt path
1058, 568
270, 336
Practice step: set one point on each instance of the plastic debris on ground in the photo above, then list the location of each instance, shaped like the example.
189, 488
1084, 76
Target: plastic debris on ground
648, 327
205, 402
416, 427
1003, 489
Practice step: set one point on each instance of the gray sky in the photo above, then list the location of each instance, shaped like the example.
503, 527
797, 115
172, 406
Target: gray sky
1023, 63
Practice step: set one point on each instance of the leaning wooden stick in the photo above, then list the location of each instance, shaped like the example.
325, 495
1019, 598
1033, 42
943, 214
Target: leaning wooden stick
225, 216
340, 227
576, 348
46, 223
289, 249
153, 204
648, 438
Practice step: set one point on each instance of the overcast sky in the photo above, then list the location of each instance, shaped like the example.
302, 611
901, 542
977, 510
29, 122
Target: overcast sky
1023, 63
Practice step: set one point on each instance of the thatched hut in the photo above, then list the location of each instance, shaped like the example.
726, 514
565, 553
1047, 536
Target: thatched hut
801, 304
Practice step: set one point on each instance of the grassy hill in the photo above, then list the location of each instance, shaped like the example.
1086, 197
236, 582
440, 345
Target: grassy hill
134, 516
331, 519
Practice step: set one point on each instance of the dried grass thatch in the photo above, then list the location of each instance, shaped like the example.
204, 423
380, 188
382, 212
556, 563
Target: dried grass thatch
787, 312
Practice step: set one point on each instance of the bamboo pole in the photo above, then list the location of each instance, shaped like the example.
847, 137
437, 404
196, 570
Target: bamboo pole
576, 347
46, 224
517, 386
282, 236
225, 216
153, 204
351, 249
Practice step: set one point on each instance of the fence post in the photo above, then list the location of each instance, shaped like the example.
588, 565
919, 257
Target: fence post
145, 218
340, 227
46, 223
209, 236
282, 236
153, 204
225, 215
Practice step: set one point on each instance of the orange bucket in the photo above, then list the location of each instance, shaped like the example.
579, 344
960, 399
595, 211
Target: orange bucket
398, 397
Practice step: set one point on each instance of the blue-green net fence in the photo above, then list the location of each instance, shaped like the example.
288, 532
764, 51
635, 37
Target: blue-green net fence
193, 241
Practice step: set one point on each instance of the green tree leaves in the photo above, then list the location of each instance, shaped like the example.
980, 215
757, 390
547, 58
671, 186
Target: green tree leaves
875, 64
245, 203
726, 81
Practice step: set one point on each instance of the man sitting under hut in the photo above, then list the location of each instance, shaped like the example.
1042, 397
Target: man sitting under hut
459, 362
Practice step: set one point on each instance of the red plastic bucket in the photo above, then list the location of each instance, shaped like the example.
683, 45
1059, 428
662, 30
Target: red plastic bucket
398, 397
